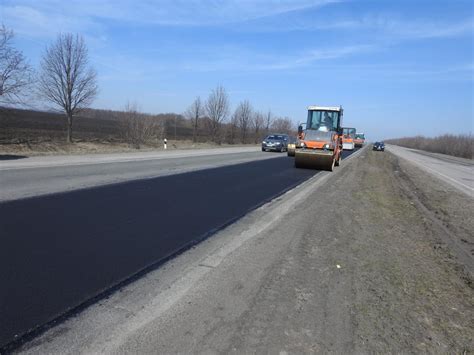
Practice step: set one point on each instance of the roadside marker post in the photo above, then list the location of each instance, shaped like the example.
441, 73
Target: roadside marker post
165, 143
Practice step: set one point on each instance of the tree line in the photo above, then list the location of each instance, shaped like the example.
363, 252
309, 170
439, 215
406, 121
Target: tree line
67, 82
244, 125
460, 145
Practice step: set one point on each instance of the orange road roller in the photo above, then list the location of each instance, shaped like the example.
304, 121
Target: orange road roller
319, 144
348, 136
359, 140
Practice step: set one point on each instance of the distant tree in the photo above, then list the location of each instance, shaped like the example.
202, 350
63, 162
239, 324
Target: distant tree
460, 145
243, 114
257, 122
66, 79
15, 73
137, 127
268, 121
194, 113
217, 109
282, 125
232, 128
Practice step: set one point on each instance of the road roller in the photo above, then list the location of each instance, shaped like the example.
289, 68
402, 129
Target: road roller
319, 144
359, 140
348, 136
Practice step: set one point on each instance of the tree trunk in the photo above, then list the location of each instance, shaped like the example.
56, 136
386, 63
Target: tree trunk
69, 128
244, 136
194, 132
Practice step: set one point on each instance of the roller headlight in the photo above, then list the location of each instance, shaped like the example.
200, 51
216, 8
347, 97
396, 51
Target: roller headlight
302, 145
326, 146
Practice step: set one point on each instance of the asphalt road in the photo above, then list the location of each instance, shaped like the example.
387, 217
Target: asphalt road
62, 249
50, 174
457, 172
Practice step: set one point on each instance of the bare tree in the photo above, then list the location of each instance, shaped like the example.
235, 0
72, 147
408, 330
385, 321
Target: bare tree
217, 109
243, 113
232, 128
282, 125
137, 127
268, 121
194, 113
257, 123
66, 79
15, 73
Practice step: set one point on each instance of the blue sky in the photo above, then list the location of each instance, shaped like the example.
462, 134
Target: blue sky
398, 68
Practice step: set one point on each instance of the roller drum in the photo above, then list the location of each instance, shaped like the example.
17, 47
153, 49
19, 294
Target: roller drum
312, 160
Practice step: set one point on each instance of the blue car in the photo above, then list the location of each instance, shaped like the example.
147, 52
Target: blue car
379, 146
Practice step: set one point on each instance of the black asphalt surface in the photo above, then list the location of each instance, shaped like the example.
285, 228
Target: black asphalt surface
58, 251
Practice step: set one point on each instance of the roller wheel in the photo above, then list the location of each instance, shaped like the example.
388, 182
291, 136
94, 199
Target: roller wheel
331, 167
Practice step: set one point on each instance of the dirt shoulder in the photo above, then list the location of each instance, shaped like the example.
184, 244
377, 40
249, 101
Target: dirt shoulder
359, 263
12, 151
412, 258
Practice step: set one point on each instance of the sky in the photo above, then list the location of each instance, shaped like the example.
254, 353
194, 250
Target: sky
398, 68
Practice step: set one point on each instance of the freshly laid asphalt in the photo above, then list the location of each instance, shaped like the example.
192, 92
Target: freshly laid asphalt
61, 250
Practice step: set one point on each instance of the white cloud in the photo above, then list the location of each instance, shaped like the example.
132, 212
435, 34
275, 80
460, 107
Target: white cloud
40, 23
242, 60
48, 16
332, 53
418, 29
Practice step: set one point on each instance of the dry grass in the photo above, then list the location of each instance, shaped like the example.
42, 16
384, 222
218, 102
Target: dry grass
97, 147
450, 144
38, 132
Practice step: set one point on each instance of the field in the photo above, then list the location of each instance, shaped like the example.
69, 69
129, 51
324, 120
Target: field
28, 132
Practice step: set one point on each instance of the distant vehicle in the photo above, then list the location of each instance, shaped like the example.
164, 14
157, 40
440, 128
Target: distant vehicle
359, 139
291, 147
277, 142
348, 136
379, 146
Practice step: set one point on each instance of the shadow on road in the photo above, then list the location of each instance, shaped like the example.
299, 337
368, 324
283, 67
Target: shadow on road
12, 157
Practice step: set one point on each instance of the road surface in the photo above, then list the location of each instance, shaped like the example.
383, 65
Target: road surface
347, 262
458, 172
67, 248
49, 174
